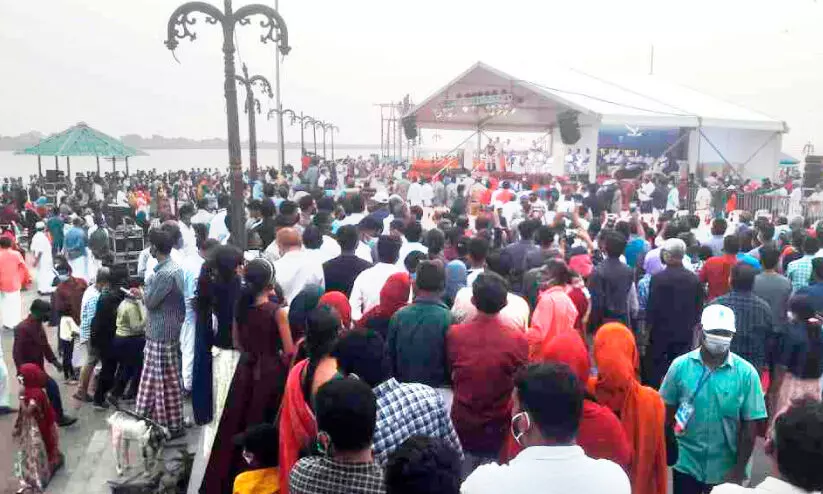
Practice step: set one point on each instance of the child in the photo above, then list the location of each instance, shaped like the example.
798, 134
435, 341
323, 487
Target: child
260, 451
35, 432
69, 330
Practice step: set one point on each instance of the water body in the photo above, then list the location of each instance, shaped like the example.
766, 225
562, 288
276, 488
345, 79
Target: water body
12, 165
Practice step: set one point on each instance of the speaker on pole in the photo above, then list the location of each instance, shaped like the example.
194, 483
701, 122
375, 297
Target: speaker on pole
812, 171
569, 127
410, 127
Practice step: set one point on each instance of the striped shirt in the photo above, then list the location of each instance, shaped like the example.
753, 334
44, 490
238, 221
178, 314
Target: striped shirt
163, 297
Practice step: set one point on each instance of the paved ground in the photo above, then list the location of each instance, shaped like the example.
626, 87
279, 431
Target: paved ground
87, 446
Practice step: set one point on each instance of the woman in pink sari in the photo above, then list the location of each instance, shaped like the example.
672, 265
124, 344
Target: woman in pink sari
298, 426
555, 312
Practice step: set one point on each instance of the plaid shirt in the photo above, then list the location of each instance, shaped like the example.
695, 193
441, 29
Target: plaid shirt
799, 272
322, 475
409, 409
753, 318
164, 300
88, 307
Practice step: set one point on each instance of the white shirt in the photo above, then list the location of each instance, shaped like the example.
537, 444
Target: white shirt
329, 249
364, 252
189, 240
202, 216
365, 292
703, 198
516, 310
406, 249
415, 194
352, 219
122, 198
769, 486
645, 192
427, 194
673, 200
560, 469
217, 226
473, 273
297, 269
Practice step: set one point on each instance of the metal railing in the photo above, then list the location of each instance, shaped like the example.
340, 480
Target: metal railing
773, 204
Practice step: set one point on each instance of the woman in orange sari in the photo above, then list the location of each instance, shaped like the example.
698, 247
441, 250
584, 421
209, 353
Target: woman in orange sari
640, 408
298, 425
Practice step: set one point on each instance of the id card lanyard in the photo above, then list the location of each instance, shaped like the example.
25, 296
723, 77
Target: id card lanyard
685, 411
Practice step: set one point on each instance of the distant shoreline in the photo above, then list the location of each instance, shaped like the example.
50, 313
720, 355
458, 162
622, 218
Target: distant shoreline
5, 146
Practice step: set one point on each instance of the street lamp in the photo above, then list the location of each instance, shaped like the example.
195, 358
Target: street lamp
253, 104
179, 27
333, 129
314, 124
281, 139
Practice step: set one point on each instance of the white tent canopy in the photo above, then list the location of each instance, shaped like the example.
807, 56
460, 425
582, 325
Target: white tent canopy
532, 102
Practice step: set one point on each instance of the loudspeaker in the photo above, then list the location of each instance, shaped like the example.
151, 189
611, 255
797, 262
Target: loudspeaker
410, 127
569, 127
812, 171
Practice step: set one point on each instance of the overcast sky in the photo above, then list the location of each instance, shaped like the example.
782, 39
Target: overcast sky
104, 62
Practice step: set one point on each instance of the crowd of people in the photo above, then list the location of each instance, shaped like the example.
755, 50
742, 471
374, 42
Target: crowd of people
382, 332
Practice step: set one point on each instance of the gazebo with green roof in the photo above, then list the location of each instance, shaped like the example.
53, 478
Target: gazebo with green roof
81, 140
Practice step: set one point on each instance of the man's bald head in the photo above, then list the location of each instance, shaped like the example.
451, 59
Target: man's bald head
288, 239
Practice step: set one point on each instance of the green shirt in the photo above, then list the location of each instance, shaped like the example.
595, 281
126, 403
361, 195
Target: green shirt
729, 395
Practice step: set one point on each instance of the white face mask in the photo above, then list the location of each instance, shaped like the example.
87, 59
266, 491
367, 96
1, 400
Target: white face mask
517, 435
715, 344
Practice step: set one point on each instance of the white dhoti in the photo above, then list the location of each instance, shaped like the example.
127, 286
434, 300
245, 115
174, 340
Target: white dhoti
224, 362
80, 267
45, 277
187, 344
11, 308
5, 393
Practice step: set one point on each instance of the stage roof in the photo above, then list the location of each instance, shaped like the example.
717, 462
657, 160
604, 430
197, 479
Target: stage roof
541, 91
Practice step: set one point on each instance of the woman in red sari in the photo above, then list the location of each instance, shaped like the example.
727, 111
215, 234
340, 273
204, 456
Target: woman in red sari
393, 296
298, 426
640, 408
339, 302
35, 432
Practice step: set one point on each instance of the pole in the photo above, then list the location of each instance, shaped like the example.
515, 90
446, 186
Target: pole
651, 61
314, 136
302, 139
281, 142
332, 144
252, 127
324, 142
68, 168
56, 164
127, 166
39, 167
97, 158
113, 165
237, 211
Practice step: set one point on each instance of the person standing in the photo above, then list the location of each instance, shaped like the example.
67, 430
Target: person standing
365, 292
484, 355
346, 411
158, 395
775, 289
404, 410
14, 275
794, 449
103, 328
753, 316
799, 272
713, 401
614, 296
716, 272
67, 301
295, 268
192, 266
339, 273
673, 309
76, 246
548, 404
88, 309
417, 333
31, 346
41, 249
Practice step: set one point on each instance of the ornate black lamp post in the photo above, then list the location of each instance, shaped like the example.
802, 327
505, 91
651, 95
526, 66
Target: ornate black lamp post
179, 27
332, 129
252, 105
281, 145
315, 124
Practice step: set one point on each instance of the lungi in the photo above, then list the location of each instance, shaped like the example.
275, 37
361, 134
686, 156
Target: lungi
158, 396
11, 308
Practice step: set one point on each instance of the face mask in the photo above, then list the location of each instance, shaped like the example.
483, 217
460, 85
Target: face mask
518, 435
62, 277
716, 345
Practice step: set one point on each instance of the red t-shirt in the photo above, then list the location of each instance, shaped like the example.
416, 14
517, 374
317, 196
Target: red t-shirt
716, 272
